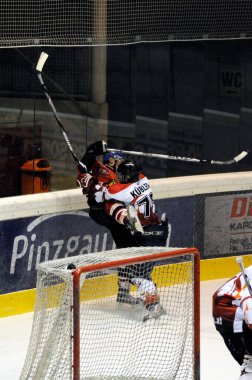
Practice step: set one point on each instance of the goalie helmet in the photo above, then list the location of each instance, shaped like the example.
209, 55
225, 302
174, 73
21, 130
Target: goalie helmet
128, 171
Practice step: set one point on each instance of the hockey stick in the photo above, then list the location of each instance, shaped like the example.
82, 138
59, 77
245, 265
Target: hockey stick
234, 160
75, 103
239, 260
42, 60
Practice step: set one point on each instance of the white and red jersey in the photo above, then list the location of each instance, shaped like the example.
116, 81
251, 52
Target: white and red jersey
138, 194
233, 303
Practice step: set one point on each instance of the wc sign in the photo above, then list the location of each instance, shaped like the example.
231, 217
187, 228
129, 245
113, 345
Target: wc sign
231, 82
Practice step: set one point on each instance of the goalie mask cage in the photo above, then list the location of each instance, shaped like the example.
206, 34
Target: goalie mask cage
80, 331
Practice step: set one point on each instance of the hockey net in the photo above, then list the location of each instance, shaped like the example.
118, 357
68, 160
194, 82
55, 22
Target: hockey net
110, 22
80, 331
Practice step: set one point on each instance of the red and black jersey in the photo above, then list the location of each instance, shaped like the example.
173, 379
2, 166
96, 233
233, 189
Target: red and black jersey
103, 173
232, 301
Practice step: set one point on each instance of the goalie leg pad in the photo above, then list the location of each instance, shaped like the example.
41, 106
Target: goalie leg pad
123, 295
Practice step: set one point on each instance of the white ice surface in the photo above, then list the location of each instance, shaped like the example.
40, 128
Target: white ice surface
216, 361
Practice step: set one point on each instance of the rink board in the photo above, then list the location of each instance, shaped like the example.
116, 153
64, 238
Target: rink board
212, 269
43, 227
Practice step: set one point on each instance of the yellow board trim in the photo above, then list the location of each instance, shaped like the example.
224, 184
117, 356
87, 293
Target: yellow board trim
17, 303
224, 267
106, 286
211, 269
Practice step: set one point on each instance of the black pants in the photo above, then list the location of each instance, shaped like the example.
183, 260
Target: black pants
154, 235
239, 344
121, 236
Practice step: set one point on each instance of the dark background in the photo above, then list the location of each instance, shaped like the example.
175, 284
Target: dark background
191, 99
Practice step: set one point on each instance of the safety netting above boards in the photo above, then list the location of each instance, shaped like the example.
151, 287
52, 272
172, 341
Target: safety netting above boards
111, 22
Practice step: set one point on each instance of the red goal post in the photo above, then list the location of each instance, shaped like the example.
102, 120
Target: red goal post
81, 332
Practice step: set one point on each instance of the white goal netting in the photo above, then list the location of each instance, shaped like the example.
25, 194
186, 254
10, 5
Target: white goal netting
110, 22
101, 338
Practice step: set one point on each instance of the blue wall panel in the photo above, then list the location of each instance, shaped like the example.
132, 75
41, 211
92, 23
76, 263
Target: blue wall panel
26, 242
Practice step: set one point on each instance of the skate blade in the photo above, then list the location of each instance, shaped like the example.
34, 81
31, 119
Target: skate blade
154, 315
246, 376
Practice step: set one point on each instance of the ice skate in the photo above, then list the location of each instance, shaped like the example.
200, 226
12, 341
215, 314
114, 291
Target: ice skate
246, 368
133, 220
123, 296
153, 307
154, 311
